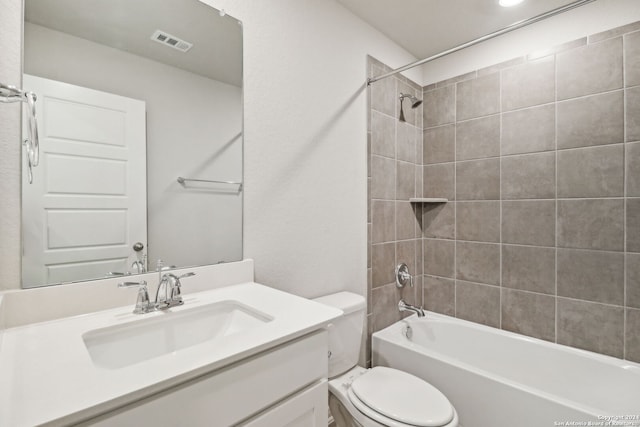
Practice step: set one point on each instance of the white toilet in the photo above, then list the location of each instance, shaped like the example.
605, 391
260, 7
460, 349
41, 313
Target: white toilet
380, 396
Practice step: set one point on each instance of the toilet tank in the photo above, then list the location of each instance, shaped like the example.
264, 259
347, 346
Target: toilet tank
345, 333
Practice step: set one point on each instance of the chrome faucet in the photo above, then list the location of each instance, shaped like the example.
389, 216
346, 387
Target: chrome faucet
143, 305
140, 266
403, 306
162, 295
169, 293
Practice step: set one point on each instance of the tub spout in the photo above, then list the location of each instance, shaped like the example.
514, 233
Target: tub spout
403, 306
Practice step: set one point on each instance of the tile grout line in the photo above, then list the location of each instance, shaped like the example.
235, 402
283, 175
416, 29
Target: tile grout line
395, 171
521, 245
606, 304
580, 97
528, 291
500, 308
369, 201
369, 296
526, 154
624, 211
455, 198
518, 200
420, 159
423, 240
417, 232
555, 138
421, 178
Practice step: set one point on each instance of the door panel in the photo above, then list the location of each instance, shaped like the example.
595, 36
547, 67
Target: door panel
75, 228
85, 123
63, 172
87, 205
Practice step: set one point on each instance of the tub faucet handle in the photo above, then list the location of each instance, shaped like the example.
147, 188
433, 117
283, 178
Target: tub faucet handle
403, 276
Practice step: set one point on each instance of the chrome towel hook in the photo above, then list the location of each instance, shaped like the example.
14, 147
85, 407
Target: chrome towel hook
10, 94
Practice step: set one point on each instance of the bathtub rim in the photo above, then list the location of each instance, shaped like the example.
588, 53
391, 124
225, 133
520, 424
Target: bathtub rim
393, 334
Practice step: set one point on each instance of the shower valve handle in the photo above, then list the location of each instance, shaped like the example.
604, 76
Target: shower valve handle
403, 276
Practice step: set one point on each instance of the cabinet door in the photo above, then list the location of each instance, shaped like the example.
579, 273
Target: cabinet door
306, 409
231, 394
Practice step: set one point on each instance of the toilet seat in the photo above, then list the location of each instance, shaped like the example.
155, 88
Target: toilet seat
398, 399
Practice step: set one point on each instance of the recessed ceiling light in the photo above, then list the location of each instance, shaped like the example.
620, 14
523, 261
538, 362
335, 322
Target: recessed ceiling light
509, 3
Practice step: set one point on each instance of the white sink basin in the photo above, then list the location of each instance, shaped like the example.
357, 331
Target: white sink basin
166, 332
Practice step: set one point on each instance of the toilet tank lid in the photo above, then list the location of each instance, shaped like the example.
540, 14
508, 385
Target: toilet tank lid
348, 302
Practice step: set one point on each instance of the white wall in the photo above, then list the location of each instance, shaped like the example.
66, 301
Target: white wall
194, 127
10, 73
589, 19
305, 146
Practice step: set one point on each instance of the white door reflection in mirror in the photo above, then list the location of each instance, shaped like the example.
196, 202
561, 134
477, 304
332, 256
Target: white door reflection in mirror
87, 205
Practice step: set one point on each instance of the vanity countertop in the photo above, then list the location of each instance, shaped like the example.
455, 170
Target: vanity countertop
47, 376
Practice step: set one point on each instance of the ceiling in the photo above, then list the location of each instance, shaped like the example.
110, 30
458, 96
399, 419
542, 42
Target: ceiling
427, 27
128, 25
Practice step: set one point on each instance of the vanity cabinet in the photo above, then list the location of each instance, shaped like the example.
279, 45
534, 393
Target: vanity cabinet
307, 408
283, 386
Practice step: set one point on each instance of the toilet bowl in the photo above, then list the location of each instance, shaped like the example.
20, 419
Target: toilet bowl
358, 399
380, 396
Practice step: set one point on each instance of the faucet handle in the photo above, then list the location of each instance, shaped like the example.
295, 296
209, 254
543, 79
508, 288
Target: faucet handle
142, 284
118, 273
176, 290
403, 276
143, 305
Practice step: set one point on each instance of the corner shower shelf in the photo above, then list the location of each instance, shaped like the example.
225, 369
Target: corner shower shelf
428, 200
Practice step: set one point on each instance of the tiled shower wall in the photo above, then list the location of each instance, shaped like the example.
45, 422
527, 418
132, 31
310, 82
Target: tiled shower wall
533, 152
540, 159
395, 175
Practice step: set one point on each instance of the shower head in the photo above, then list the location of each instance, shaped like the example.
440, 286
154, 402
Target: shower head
415, 103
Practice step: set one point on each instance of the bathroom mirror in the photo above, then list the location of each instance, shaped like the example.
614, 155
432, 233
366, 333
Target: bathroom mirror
140, 122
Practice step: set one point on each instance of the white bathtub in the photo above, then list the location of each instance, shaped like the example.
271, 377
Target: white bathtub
496, 378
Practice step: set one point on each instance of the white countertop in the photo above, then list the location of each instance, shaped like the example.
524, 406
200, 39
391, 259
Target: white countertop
47, 375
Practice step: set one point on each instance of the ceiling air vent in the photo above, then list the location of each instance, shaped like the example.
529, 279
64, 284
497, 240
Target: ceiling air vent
171, 41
